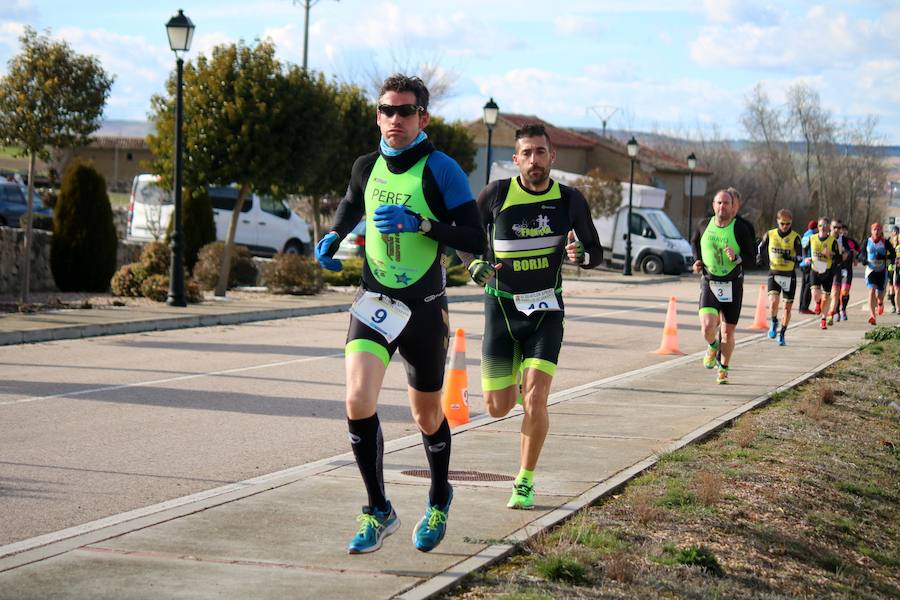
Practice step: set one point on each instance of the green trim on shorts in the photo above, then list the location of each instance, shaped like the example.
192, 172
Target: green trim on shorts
369, 346
709, 310
545, 366
497, 383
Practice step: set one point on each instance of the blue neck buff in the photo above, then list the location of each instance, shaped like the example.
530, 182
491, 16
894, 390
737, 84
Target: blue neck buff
388, 151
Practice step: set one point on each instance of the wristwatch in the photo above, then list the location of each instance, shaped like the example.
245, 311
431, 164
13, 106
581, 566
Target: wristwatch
424, 225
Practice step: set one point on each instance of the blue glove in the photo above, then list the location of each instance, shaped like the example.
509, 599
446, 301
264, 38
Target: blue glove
325, 250
394, 218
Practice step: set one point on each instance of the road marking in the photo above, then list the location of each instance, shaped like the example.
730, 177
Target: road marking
153, 382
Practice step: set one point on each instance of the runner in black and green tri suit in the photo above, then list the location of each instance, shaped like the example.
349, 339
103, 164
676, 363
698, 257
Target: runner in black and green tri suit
722, 244
532, 223
416, 200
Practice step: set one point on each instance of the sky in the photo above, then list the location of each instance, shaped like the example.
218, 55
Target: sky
672, 66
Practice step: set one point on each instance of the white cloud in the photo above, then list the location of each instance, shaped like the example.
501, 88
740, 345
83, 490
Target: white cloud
740, 11
577, 25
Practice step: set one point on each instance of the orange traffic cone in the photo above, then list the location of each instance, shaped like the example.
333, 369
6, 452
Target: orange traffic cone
760, 321
669, 343
455, 401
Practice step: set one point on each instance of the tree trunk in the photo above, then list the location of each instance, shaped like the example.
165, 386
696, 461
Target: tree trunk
225, 267
26, 254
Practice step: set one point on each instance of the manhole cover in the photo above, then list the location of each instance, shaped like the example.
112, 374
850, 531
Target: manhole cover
460, 475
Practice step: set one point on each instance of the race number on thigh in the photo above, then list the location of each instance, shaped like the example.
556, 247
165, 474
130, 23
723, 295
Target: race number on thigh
784, 282
721, 290
819, 266
383, 314
534, 301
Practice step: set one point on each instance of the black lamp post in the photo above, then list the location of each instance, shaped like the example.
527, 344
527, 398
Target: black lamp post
181, 31
491, 112
632, 147
692, 164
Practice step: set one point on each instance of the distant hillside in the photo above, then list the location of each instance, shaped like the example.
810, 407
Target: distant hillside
656, 138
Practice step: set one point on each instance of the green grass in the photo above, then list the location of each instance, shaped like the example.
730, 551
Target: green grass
677, 495
604, 541
560, 568
864, 490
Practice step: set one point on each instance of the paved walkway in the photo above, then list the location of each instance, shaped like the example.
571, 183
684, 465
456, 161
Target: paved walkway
282, 535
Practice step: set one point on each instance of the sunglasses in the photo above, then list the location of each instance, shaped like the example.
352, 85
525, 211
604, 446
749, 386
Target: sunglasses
404, 110
784, 222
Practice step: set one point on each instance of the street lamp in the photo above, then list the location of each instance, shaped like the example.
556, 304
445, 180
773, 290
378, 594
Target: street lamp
491, 112
181, 31
632, 147
692, 164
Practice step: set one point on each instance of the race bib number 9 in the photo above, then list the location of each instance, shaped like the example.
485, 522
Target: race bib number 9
535, 301
819, 266
383, 314
721, 290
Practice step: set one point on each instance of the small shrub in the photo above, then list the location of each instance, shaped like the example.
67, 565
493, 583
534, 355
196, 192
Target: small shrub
677, 495
209, 259
560, 568
192, 292
350, 275
744, 433
881, 334
700, 556
84, 244
156, 287
644, 507
708, 487
293, 274
826, 394
620, 567
811, 407
127, 280
198, 225
156, 258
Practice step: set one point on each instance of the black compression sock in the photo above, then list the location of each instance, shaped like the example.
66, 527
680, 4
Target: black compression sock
368, 448
437, 449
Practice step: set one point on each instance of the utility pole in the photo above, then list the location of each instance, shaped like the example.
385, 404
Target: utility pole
306, 4
604, 112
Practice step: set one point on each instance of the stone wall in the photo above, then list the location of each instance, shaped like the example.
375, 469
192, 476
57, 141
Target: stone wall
11, 259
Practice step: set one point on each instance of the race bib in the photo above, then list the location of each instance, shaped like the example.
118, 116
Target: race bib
844, 273
819, 266
534, 301
721, 290
383, 314
783, 282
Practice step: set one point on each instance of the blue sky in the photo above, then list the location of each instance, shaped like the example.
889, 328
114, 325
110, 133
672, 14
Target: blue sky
673, 66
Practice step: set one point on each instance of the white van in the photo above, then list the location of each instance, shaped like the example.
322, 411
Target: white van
266, 225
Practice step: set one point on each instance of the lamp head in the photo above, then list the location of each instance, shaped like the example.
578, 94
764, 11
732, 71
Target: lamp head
181, 31
632, 147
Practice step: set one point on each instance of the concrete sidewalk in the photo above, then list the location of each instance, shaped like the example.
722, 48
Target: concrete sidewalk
20, 328
283, 535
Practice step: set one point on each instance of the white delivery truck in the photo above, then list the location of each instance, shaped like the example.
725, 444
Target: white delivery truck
656, 244
267, 225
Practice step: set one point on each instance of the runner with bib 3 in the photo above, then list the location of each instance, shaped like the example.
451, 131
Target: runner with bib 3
722, 244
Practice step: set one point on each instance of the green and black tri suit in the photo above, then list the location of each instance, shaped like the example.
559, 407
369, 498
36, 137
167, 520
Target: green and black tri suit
527, 234
722, 281
407, 266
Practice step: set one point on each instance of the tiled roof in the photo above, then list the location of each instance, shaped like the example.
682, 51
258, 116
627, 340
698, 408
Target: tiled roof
648, 155
564, 138
123, 143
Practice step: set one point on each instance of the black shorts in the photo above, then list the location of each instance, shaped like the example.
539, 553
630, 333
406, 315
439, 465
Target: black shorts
774, 288
876, 280
843, 276
422, 344
730, 311
512, 338
823, 280
896, 276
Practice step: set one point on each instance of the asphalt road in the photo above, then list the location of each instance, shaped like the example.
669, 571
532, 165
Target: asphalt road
99, 426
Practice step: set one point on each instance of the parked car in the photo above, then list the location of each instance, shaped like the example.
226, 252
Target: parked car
266, 226
13, 205
354, 245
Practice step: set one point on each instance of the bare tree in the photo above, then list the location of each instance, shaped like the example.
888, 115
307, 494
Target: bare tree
603, 195
439, 80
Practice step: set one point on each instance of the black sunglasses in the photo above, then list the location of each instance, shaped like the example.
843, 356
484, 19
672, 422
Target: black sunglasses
404, 110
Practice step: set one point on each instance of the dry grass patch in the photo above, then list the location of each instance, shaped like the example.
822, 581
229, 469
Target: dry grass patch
708, 487
744, 432
643, 505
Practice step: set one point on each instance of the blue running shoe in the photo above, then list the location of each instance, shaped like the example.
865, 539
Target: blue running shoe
374, 526
431, 529
772, 328
781, 341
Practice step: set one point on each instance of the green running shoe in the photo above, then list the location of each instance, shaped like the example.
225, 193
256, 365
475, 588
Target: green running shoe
431, 528
374, 526
709, 359
522, 497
